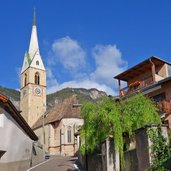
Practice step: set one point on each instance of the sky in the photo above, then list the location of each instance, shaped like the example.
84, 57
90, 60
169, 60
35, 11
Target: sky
83, 43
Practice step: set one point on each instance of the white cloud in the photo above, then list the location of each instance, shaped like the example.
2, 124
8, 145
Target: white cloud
51, 80
108, 63
69, 53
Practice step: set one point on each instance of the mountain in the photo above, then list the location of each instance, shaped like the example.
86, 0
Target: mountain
14, 95
83, 95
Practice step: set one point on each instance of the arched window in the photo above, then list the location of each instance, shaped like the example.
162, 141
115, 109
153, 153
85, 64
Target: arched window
37, 62
37, 78
25, 79
69, 134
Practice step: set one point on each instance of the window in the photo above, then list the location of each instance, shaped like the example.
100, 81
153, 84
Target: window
69, 134
25, 79
2, 152
159, 97
37, 62
37, 78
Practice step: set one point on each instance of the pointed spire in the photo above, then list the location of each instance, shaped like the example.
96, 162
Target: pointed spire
34, 17
33, 54
34, 46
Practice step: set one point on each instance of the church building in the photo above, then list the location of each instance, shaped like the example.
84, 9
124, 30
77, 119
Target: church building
33, 81
56, 127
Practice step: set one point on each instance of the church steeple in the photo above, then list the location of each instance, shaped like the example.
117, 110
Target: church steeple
33, 81
34, 46
33, 55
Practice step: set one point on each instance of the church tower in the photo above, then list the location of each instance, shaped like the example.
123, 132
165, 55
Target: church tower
33, 81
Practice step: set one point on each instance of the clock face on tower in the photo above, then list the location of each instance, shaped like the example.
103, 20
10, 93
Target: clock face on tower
37, 91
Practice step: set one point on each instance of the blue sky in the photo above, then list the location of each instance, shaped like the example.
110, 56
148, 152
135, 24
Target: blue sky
83, 43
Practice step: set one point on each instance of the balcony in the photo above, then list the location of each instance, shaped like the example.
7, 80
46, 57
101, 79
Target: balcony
135, 86
164, 106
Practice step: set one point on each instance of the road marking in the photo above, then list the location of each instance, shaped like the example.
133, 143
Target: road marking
38, 165
76, 166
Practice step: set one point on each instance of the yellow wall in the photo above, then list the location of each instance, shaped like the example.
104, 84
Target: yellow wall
32, 105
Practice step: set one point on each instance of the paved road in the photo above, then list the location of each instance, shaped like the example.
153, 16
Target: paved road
57, 163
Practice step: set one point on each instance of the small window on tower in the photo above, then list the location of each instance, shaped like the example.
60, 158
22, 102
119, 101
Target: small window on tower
25, 79
37, 78
37, 62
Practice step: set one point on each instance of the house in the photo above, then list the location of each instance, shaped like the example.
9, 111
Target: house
17, 138
56, 131
153, 78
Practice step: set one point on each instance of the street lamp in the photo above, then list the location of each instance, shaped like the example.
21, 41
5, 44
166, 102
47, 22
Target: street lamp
43, 134
44, 115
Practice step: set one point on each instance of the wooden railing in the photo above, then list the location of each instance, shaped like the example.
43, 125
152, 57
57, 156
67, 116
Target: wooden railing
142, 84
164, 106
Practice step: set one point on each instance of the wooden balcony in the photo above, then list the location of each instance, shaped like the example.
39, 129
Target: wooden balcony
164, 106
137, 85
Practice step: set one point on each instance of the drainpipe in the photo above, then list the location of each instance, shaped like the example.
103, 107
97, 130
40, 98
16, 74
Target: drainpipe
153, 70
60, 142
31, 155
119, 86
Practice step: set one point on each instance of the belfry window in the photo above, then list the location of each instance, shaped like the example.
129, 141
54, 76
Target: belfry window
25, 79
37, 62
37, 78
69, 134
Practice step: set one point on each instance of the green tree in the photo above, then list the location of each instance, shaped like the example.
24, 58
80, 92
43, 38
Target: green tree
111, 118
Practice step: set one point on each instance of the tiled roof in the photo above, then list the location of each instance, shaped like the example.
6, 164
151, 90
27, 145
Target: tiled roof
65, 109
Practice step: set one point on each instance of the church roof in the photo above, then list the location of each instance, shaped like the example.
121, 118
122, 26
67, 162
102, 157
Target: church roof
65, 109
8, 106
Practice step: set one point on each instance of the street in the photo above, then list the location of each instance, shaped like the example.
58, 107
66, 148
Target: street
56, 163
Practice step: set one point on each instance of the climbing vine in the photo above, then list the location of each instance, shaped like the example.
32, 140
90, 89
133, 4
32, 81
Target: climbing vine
160, 151
115, 118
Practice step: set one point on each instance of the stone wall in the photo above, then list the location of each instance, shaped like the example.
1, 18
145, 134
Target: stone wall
103, 159
143, 144
136, 159
131, 161
142, 149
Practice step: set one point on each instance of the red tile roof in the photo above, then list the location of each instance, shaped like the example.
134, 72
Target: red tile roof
65, 109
